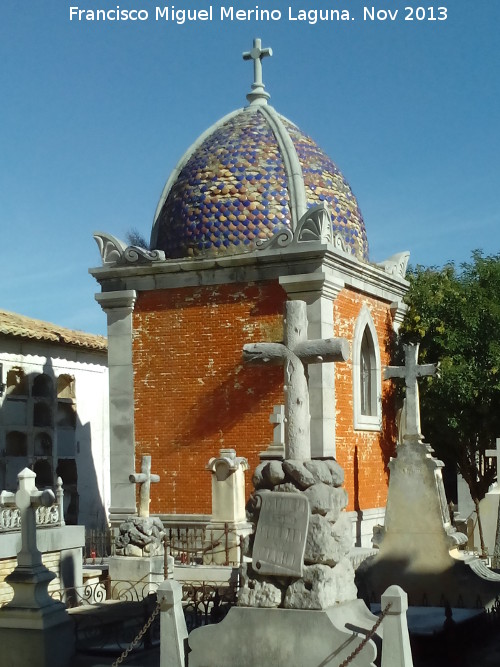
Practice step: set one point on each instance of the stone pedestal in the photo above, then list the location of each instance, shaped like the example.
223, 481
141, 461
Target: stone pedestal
292, 637
415, 550
134, 578
228, 523
35, 629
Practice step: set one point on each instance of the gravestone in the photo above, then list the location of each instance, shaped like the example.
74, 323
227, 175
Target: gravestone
35, 629
488, 510
280, 538
228, 524
145, 479
415, 549
139, 546
276, 449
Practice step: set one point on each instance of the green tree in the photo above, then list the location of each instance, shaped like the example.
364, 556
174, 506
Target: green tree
454, 313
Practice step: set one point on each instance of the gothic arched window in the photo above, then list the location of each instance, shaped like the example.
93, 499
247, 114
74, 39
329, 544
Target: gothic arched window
367, 384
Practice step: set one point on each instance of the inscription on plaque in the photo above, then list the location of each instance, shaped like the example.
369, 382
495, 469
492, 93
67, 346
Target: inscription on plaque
280, 538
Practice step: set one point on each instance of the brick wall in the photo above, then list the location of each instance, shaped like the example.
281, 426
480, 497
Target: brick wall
193, 395
51, 560
364, 455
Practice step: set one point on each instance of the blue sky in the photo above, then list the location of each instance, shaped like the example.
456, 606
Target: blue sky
94, 116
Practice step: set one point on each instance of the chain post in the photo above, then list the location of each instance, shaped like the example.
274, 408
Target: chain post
365, 641
138, 637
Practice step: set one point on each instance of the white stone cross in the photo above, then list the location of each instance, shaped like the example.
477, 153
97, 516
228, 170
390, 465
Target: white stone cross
411, 371
145, 478
27, 499
258, 94
277, 417
495, 453
294, 354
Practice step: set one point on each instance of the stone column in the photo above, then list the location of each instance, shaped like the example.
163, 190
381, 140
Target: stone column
319, 292
119, 307
228, 508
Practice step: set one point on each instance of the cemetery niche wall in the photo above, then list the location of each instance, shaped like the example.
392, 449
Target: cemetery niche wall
254, 215
54, 413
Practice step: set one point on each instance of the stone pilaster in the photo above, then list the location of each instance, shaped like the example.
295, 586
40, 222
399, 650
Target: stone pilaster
319, 291
119, 307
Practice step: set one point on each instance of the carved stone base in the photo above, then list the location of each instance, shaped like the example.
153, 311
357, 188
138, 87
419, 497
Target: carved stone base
256, 637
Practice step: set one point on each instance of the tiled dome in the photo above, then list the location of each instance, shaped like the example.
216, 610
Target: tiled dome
249, 176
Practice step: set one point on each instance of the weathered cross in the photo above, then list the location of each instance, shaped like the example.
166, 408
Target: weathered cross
294, 354
145, 478
277, 417
411, 371
496, 454
27, 499
256, 54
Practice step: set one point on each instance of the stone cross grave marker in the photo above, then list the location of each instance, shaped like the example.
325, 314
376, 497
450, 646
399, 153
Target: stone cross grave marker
257, 54
410, 372
27, 499
496, 454
280, 537
145, 478
294, 354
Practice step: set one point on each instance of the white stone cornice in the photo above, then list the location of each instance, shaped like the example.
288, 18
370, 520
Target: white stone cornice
306, 285
305, 258
119, 299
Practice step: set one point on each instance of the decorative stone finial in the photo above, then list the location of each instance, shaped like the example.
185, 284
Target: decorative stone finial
257, 95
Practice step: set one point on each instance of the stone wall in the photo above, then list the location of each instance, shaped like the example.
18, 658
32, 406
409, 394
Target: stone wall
51, 561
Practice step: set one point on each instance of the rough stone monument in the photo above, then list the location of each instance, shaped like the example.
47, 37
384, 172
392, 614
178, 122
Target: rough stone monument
35, 629
298, 593
415, 550
139, 547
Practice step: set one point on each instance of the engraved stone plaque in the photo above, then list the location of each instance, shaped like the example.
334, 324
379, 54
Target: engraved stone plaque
280, 538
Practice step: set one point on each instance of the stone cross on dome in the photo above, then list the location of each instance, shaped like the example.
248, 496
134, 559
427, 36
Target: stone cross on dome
410, 372
294, 354
258, 95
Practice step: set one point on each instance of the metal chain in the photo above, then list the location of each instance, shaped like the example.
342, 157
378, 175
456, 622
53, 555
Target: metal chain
139, 636
365, 641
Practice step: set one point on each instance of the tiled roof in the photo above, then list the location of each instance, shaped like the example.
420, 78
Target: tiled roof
233, 187
19, 326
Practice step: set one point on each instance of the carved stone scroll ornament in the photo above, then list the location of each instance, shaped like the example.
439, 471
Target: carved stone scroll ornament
397, 264
115, 252
315, 226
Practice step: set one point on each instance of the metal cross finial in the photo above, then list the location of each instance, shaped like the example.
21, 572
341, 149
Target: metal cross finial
258, 95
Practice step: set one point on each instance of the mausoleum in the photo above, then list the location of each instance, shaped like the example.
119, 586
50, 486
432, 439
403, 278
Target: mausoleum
253, 215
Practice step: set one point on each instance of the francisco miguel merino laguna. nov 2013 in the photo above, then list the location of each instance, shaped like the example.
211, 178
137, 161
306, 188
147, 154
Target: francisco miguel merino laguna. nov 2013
223, 13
